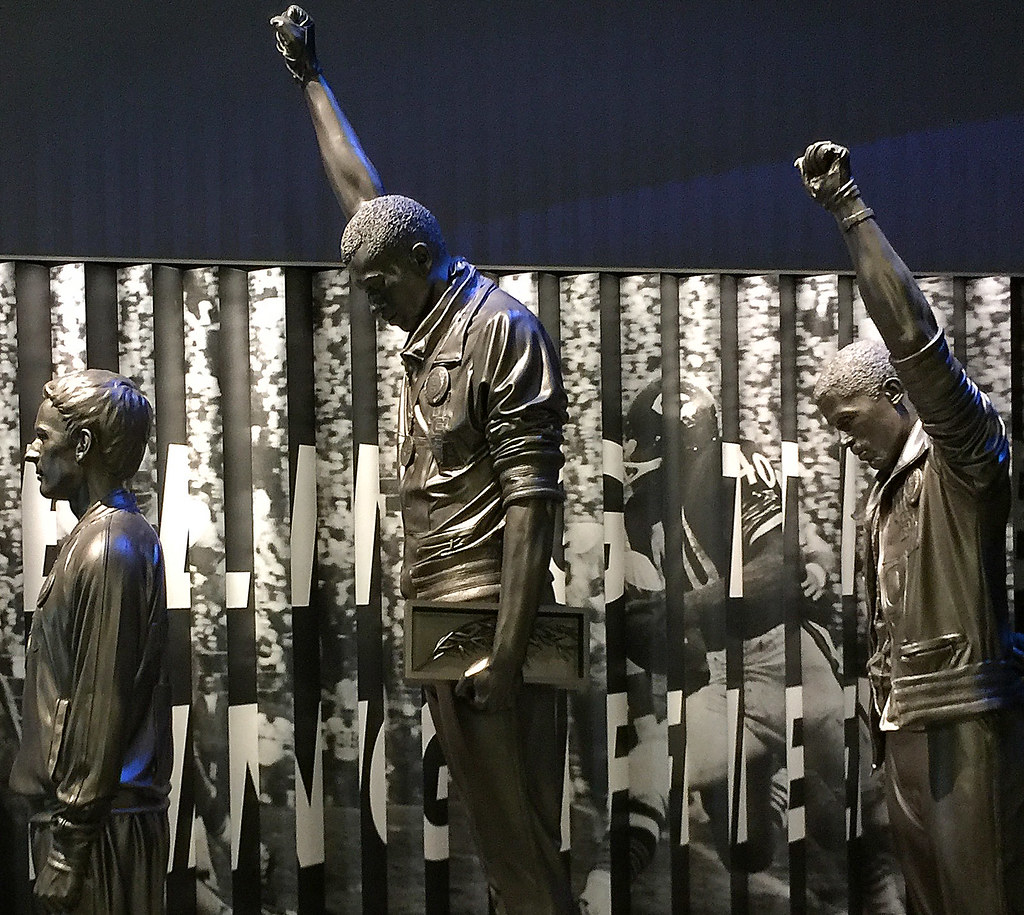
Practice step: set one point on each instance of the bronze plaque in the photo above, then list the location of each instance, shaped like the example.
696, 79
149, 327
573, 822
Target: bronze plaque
442, 640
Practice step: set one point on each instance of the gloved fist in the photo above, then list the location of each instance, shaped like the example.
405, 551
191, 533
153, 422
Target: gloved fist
296, 40
825, 170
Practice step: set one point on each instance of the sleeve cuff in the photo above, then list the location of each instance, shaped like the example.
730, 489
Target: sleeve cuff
896, 363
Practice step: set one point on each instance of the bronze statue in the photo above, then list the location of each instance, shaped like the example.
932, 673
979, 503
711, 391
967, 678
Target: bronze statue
95, 756
480, 431
945, 667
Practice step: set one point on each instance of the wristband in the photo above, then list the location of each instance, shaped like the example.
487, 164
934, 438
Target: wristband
848, 222
304, 72
848, 191
72, 842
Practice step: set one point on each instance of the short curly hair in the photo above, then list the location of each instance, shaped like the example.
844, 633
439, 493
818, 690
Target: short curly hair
858, 368
112, 408
384, 223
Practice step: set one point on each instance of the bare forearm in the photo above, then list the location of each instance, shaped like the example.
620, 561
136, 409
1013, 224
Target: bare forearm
891, 295
526, 553
350, 172
763, 574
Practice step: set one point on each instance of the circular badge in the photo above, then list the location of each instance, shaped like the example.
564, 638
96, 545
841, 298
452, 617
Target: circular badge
438, 384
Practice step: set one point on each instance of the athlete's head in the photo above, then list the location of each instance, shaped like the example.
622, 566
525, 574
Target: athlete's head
395, 251
862, 397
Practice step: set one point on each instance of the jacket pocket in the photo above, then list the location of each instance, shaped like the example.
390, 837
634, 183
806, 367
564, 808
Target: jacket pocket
60, 715
930, 655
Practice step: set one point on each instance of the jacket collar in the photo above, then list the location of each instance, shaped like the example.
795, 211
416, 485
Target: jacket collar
118, 499
914, 449
444, 328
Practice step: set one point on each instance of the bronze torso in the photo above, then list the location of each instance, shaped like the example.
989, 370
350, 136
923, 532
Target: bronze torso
936, 555
96, 731
480, 426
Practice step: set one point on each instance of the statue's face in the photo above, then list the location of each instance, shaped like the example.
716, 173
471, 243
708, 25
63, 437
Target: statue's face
53, 452
396, 284
870, 426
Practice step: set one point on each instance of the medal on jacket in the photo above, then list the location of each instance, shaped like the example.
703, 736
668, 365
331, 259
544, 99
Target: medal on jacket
438, 385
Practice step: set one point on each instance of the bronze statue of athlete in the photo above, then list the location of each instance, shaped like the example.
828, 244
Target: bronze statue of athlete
944, 668
95, 757
480, 432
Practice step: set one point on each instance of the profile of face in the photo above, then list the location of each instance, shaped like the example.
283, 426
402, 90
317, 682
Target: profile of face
397, 283
873, 427
57, 454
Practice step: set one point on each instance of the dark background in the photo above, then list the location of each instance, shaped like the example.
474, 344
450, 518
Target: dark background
646, 133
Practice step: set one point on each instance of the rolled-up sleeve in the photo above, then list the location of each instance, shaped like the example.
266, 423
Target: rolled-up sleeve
525, 406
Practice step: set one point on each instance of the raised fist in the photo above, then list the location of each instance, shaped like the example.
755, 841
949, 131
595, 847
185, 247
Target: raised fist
296, 40
825, 170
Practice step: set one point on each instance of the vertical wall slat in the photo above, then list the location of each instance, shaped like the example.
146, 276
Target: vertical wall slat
12, 651
831, 731
174, 474
369, 620
136, 358
549, 310
796, 732
266, 351
67, 317
403, 702
101, 317
700, 474
770, 710
673, 457
67, 333
988, 338
34, 369
854, 658
205, 500
13, 829
731, 438
615, 609
336, 588
567, 307
1017, 421
305, 597
240, 608
641, 357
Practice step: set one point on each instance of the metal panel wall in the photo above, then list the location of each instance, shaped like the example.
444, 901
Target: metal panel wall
717, 760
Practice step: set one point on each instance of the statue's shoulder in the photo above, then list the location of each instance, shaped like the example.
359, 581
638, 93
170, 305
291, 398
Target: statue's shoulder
120, 536
498, 307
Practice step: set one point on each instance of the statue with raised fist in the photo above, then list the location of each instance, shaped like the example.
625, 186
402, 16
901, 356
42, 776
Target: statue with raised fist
480, 434
945, 666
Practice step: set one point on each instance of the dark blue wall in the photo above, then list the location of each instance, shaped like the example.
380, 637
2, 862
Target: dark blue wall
643, 133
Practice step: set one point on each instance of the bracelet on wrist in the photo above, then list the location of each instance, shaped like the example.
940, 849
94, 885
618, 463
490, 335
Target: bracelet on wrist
848, 222
304, 72
847, 192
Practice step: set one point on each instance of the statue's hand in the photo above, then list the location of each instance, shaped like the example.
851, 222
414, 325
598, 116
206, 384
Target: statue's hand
296, 40
58, 886
490, 690
825, 170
